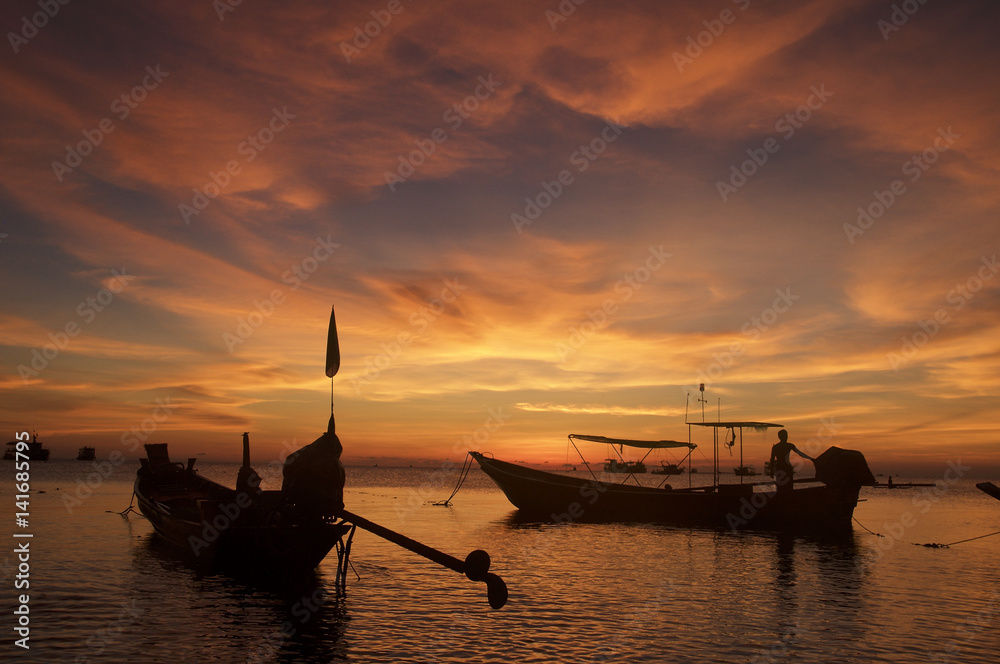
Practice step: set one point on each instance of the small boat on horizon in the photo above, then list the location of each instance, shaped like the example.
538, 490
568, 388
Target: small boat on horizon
616, 466
745, 471
35, 450
670, 469
86, 454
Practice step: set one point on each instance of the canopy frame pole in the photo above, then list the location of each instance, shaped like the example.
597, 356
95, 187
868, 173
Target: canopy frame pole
582, 458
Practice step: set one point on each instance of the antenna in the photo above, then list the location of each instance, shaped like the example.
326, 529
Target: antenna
703, 400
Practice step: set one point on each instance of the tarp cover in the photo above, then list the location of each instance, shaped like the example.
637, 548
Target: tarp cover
648, 444
839, 467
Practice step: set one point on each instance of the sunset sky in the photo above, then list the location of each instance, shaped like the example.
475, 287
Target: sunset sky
532, 221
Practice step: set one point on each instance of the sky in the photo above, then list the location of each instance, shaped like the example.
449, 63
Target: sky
532, 218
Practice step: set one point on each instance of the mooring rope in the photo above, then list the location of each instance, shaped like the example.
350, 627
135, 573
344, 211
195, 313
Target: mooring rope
866, 527
466, 467
127, 509
945, 546
930, 545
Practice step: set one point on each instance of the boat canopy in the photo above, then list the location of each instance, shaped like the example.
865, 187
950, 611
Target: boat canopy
757, 426
648, 444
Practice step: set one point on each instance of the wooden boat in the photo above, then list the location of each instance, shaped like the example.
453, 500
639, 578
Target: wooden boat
249, 531
745, 471
276, 535
86, 454
826, 505
35, 451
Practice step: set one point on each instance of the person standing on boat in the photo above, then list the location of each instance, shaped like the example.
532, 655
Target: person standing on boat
781, 465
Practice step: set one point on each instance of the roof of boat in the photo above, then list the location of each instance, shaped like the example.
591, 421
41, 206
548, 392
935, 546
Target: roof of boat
651, 444
749, 425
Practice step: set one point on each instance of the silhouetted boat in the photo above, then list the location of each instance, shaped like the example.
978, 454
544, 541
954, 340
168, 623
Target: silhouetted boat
35, 451
246, 531
745, 471
86, 454
827, 505
990, 489
616, 466
669, 469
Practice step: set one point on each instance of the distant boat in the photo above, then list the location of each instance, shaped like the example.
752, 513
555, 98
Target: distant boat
35, 451
616, 466
745, 471
86, 454
669, 469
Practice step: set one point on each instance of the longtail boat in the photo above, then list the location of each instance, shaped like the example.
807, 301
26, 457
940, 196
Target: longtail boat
278, 534
246, 530
824, 503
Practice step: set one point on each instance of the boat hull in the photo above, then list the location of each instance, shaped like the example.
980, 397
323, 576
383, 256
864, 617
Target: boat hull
562, 498
217, 528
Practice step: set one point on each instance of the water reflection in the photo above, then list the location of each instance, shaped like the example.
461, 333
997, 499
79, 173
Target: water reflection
233, 619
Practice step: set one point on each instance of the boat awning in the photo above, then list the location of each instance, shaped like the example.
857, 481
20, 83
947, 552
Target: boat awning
648, 444
758, 426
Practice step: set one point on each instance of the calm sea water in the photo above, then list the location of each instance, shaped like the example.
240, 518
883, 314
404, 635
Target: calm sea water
102, 590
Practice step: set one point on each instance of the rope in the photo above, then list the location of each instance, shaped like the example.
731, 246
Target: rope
127, 509
466, 467
866, 528
945, 546
931, 545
